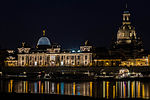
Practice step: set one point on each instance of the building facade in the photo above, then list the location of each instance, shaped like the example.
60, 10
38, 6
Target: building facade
127, 44
49, 54
126, 50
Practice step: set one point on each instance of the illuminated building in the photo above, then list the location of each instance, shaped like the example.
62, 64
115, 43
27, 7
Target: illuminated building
107, 62
127, 45
126, 50
49, 54
135, 62
11, 59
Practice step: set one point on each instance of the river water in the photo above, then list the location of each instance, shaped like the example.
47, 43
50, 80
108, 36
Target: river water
96, 89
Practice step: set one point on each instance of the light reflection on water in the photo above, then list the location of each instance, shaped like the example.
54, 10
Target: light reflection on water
101, 89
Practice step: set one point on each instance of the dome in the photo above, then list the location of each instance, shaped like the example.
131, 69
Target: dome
126, 32
44, 41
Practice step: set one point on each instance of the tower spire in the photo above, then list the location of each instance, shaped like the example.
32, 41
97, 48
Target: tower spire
23, 43
126, 5
126, 15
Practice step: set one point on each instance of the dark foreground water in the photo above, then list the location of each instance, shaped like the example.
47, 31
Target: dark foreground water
96, 89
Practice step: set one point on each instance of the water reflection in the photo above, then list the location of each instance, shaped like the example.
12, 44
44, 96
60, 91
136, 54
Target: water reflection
101, 89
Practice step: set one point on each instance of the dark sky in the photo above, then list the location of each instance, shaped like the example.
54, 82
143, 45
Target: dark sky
69, 22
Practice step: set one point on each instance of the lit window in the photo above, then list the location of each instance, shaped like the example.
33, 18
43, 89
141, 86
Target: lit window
62, 63
35, 63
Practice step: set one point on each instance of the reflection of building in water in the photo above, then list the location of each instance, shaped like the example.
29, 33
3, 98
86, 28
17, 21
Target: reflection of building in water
102, 89
121, 89
146, 93
74, 88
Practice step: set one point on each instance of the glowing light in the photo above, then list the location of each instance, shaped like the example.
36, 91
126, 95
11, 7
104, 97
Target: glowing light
62, 63
43, 32
133, 89
39, 86
62, 88
116, 88
35, 63
139, 89
128, 89
90, 88
74, 87
73, 51
143, 91
42, 88
35, 87
57, 88
121, 89
114, 91
52, 87
103, 89
8, 87
11, 85
78, 51
124, 89
107, 89
26, 86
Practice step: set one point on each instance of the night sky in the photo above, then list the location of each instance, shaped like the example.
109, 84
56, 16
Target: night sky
69, 22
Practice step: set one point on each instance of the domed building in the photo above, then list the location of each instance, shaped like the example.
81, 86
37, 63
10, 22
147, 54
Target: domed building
126, 48
50, 54
43, 42
127, 45
126, 32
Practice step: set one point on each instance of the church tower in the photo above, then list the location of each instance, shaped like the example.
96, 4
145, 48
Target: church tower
127, 44
126, 32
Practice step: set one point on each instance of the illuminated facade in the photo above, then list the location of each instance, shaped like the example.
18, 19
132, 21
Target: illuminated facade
11, 59
127, 45
47, 54
135, 62
126, 50
126, 32
107, 62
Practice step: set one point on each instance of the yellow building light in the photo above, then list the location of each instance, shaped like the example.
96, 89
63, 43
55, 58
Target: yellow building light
57, 88
43, 32
91, 88
114, 91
